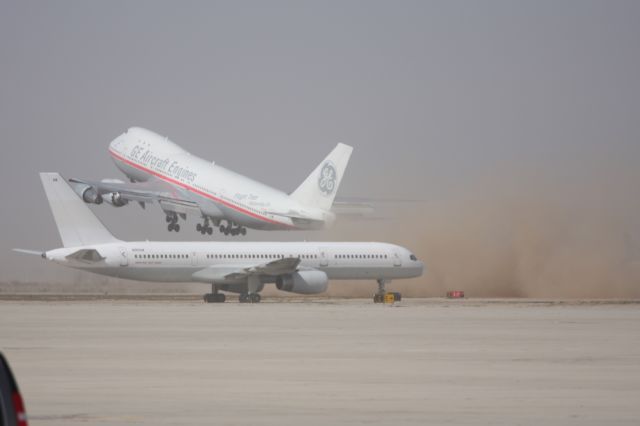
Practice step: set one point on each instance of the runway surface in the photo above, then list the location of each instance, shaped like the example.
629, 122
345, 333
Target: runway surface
323, 361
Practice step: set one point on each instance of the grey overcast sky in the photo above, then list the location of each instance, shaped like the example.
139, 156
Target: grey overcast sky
442, 100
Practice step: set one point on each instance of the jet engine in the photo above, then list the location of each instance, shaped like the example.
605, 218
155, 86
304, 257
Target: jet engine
88, 193
115, 199
303, 282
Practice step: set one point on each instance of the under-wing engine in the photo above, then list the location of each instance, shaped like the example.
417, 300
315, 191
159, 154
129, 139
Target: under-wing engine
88, 193
303, 282
115, 199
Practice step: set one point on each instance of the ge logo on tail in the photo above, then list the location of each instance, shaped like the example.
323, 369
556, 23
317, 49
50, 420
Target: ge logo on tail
328, 178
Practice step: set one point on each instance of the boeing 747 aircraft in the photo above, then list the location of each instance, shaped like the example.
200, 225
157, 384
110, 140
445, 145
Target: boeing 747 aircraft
242, 268
182, 183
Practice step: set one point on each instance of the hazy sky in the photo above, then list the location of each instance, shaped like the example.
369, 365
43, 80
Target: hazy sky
441, 100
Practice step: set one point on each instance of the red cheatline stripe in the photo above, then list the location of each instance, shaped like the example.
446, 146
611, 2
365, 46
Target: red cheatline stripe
196, 190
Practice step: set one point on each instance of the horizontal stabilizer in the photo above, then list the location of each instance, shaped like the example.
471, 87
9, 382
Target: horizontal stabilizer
25, 251
352, 209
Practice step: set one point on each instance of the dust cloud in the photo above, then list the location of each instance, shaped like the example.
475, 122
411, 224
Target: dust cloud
524, 240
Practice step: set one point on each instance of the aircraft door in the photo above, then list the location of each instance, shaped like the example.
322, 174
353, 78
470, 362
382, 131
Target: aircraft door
397, 261
324, 260
124, 260
194, 258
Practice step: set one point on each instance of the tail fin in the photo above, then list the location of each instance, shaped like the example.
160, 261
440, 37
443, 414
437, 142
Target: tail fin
77, 224
320, 187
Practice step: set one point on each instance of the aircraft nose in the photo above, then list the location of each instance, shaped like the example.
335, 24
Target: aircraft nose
418, 268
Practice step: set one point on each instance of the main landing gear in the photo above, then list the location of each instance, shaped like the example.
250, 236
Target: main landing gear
252, 295
231, 230
204, 228
215, 296
379, 297
249, 298
249, 294
172, 220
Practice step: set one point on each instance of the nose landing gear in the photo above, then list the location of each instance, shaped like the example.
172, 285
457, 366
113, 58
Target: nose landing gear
380, 295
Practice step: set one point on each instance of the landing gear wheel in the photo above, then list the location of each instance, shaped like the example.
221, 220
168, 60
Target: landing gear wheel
199, 227
254, 298
243, 298
243, 231
176, 227
170, 227
378, 298
222, 229
214, 298
209, 230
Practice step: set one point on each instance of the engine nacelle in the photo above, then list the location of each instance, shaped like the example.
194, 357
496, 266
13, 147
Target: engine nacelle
115, 199
303, 282
88, 193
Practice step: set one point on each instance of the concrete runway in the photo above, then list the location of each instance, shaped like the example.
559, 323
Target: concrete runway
324, 362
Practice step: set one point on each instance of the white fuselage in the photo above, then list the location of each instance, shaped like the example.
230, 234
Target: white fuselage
221, 193
211, 261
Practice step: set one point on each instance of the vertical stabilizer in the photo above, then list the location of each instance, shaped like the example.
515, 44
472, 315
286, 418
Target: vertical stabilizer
76, 223
320, 187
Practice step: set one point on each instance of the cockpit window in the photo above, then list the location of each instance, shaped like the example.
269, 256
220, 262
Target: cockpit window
413, 257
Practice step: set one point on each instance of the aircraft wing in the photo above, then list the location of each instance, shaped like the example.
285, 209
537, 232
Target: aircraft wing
288, 265
169, 197
152, 190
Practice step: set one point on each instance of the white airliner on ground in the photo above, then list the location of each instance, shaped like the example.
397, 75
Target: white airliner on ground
182, 183
244, 268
